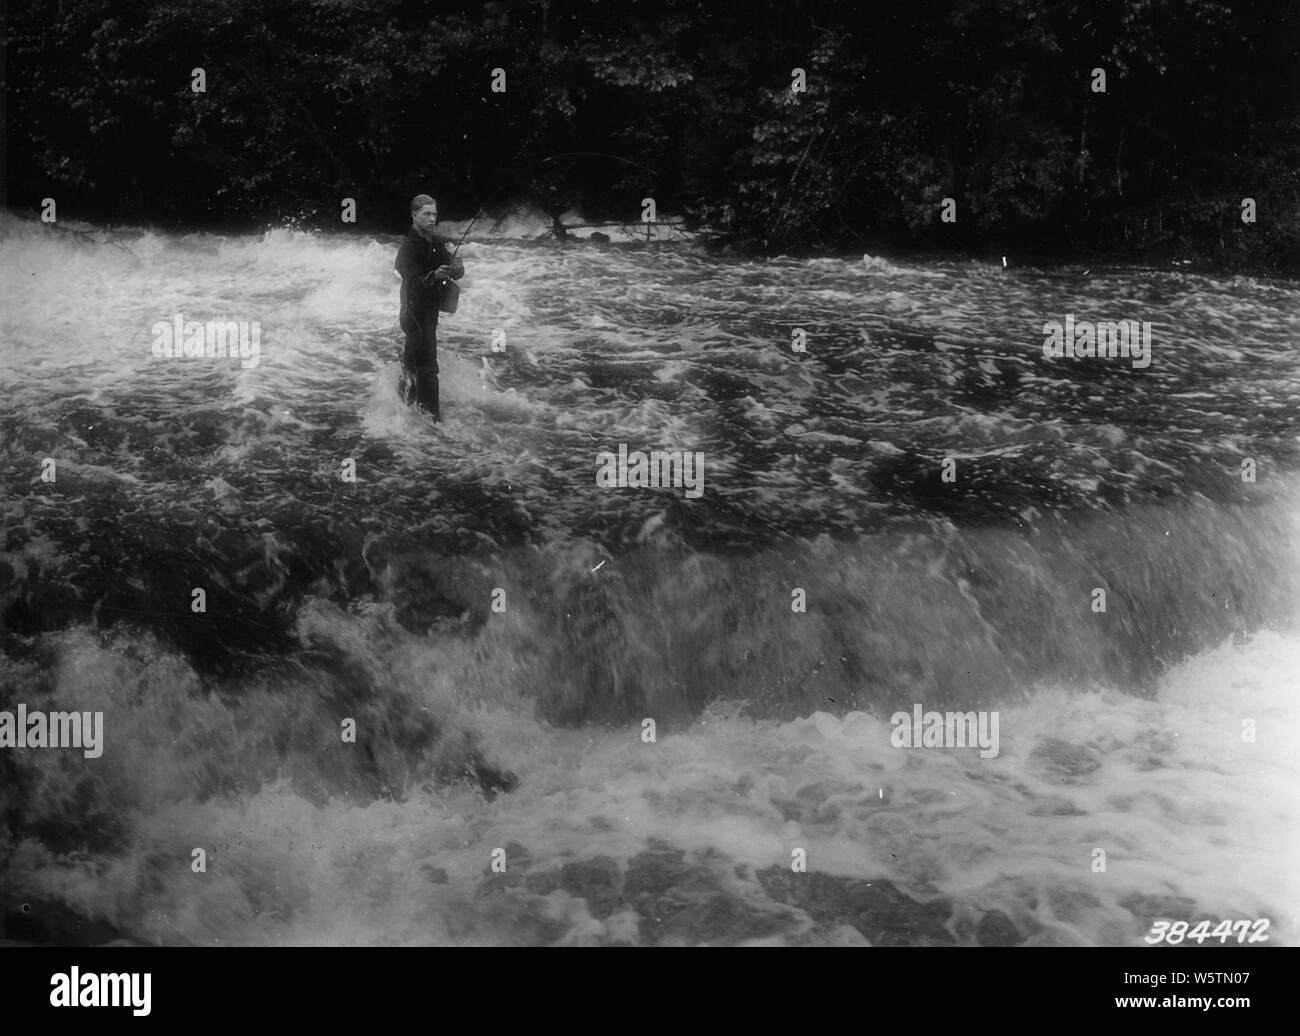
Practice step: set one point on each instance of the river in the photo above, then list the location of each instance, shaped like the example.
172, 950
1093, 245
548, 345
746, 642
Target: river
920, 509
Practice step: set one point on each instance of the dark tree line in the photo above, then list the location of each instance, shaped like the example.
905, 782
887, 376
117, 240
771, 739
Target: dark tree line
989, 102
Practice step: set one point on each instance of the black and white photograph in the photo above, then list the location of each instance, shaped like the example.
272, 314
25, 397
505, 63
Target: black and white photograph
647, 474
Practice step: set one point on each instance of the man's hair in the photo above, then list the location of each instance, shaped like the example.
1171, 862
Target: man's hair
420, 201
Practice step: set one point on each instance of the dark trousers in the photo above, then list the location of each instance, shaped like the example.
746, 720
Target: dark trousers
420, 359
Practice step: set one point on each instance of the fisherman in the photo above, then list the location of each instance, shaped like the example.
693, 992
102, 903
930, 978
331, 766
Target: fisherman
426, 266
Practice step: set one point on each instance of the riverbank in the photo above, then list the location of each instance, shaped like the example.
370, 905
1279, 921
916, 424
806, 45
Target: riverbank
525, 223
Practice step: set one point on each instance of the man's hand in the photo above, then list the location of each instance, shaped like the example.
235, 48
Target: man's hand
444, 273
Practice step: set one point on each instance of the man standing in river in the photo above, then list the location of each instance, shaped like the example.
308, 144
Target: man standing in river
426, 266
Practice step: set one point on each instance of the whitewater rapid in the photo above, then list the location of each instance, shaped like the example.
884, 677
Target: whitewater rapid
500, 626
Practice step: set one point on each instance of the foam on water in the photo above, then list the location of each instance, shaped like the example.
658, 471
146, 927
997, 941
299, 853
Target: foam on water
1121, 731
1195, 822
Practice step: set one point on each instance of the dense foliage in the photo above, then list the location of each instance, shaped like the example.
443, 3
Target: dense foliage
989, 102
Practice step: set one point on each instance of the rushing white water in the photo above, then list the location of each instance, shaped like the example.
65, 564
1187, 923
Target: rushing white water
1161, 732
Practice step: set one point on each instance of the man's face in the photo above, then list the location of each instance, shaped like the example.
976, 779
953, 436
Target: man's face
425, 218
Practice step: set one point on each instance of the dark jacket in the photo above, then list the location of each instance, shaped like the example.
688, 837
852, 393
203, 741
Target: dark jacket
415, 260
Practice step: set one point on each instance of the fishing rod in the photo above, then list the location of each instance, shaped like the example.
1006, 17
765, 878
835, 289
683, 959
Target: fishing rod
451, 291
450, 297
598, 154
478, 202
466, 233
559, 229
